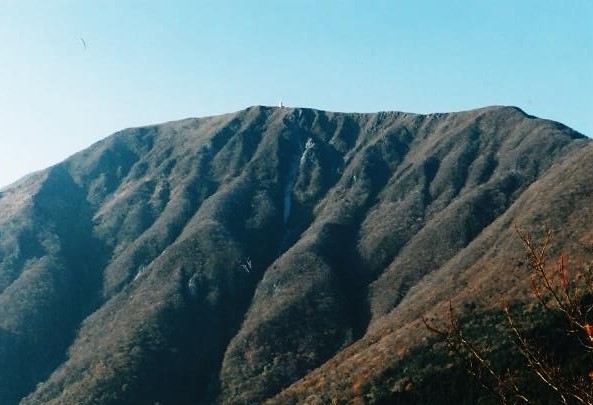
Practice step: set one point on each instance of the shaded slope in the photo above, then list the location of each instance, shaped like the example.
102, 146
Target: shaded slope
222, 259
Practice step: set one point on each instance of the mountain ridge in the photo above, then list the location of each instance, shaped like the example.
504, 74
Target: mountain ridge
221, 259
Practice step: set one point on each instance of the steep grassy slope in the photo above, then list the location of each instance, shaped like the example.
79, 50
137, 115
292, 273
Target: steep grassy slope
219, 260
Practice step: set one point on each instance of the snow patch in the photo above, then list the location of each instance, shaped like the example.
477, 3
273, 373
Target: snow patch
292, 177
140, 272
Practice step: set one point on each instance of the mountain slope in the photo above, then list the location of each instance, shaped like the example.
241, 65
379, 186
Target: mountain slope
219, 260
487, 272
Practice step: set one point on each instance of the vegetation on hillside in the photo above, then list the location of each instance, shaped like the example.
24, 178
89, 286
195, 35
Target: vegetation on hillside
123, 275
548, 359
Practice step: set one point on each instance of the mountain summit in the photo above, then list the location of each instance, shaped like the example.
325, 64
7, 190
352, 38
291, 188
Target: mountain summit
273, 254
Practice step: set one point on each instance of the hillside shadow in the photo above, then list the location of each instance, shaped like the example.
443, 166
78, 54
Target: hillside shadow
71, 277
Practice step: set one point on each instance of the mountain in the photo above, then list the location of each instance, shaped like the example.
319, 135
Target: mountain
274, 254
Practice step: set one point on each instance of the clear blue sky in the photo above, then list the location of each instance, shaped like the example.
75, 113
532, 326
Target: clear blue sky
153, 61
